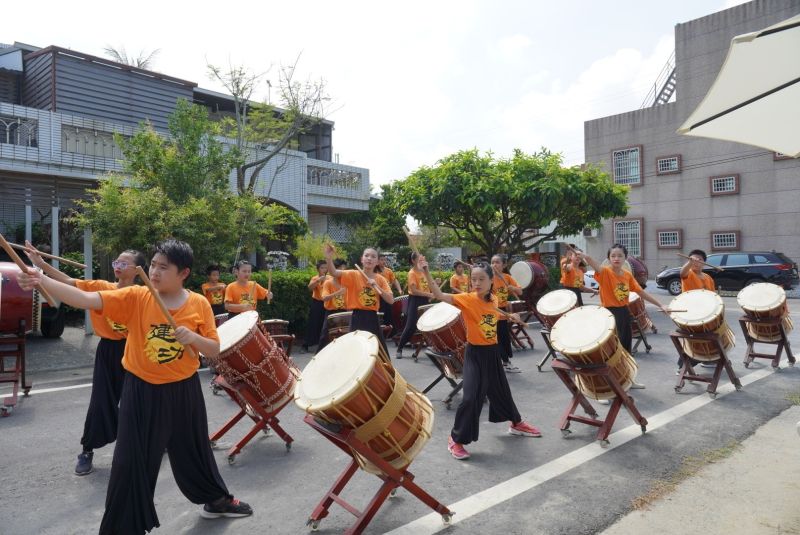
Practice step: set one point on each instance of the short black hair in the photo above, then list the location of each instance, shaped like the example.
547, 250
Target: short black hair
138, 257
339, 263
699, 252
177, 252
212, 267
241, 263
487, 268
321, 263
617, 246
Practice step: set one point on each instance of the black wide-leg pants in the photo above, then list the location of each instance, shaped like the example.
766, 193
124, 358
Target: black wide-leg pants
100, 426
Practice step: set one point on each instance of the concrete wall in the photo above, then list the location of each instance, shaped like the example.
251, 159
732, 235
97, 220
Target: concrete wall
764, 211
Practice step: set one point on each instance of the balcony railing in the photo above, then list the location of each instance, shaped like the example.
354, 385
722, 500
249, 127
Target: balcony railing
333, 178
19, 131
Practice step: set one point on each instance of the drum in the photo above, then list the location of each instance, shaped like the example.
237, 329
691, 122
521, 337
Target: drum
705, 313
275, 327
639, 314
247, 356
588, 335
399, 308
339, 323
219, 319
445, 332
531, 276
555, 304
351, 382
15, 303
765, 301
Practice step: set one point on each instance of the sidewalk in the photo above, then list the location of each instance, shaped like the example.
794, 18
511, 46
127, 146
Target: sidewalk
754, 491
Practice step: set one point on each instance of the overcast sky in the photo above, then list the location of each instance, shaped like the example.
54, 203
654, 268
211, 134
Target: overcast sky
410, 83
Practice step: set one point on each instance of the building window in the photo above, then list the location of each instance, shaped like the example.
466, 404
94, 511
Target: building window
628, 165
628, 232
724, 185
725, 240
668, 165
669, 239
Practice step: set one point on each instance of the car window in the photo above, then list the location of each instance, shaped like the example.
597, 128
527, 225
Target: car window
761, 259
715, 259
737, 260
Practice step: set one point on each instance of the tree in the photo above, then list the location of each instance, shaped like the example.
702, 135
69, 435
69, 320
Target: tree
177, 186
143, 61
500, 204
302, 106
382, 222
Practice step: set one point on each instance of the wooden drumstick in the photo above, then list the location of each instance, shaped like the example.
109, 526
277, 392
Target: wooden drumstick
146, 280
470, 266
508, 316
704, 263
22, 266
269, 286
362, 272
51, 257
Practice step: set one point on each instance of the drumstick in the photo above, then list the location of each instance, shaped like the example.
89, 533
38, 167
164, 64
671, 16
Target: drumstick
704, 263
470, 266
269, 286
23, 267
51, 257
671, 310
362, 272
508, 316
146, 280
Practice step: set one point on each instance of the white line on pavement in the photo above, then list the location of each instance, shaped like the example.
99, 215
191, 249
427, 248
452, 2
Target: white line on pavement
57, 389
477, 503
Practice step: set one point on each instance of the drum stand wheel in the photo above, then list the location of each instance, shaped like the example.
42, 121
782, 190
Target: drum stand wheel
565, 370
687, 372
783, 343
249, 406
450, 369
345, 439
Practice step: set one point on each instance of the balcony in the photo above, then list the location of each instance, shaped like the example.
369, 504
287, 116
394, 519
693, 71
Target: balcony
337, 187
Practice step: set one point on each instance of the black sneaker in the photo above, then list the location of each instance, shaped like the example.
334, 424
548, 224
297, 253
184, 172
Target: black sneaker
227, 507
84, 465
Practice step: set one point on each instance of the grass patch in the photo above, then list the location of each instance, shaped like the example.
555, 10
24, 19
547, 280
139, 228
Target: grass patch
794, 399
689, 467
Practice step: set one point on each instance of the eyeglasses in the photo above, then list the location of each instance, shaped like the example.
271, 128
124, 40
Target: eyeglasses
119, 264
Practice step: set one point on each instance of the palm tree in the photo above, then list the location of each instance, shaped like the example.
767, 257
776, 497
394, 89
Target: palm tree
142, 61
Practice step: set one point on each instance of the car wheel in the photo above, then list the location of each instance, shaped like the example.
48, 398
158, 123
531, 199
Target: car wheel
53, 327
674, 286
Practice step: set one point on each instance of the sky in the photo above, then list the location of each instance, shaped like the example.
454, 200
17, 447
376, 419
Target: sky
410, 82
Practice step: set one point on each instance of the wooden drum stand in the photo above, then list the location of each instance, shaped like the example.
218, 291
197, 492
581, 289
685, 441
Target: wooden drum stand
687, 371
12, 346
783, 342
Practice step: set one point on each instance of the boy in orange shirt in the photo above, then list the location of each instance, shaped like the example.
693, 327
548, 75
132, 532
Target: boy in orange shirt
243, 294
333, 296
572, 276
214, 290
459, 282
692, 276
316, 313
162, 406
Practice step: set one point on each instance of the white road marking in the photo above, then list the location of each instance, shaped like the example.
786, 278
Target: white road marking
481, 501
57, 389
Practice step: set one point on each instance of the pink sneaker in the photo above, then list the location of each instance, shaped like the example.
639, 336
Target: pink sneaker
524, 429
457, 450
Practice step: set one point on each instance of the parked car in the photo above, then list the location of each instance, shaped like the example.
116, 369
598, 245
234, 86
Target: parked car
740, 269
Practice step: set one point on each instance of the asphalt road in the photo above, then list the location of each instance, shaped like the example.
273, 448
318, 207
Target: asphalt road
550, 485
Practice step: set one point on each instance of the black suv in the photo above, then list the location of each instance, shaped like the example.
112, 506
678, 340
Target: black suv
739, 270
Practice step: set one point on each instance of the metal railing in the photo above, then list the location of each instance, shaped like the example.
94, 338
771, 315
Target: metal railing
333, 178
19, 131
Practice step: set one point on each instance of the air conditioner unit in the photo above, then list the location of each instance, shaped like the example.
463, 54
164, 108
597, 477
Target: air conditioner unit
589, 232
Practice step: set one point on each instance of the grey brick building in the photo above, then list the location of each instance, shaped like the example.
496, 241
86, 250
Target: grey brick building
686, 192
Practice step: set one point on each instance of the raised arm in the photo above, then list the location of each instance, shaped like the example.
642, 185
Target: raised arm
686, 268
435, 290
59, 290
330, 252
591, 261
33, 253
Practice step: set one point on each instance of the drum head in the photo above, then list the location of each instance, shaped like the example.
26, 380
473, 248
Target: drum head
337, 371
522, 273
437, 316
633, 297
761, 297
582, 329
701, 306
274, 322
234, 330
557, 302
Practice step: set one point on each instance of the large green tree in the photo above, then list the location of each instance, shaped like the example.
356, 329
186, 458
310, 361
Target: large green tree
381, 221
177, 186
500, 204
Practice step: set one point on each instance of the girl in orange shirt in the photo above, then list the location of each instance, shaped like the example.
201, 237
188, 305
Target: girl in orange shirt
390, 277
504, 284
333, 296
316, 313
419, 293
483, 375
214, 290
459, 282
572, 276
243, 294
363, 291
100, 425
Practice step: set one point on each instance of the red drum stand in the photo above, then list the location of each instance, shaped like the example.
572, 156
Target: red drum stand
520, 336
451, 369
565, 369
12, 346
783, 343
687, 372
249, 405
640, 335
345, 439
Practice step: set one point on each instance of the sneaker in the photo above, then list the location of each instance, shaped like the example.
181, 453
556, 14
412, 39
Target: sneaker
399, 354
678, 371
84, 465
603, 402
510, 368
524, 429
639, 386
227, 507
708, 364
457, 450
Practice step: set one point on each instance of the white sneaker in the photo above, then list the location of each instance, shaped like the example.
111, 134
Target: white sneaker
510, 368
638, 386
603, 402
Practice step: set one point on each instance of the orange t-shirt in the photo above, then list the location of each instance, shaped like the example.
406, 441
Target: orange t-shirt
360, 295
500, 288
103, 326
151, 352
388, 274
418, 280
697, 282
317, 293
615, 289
459, 282
215, 297
572, 278
480, 318
236, 294
329, 287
